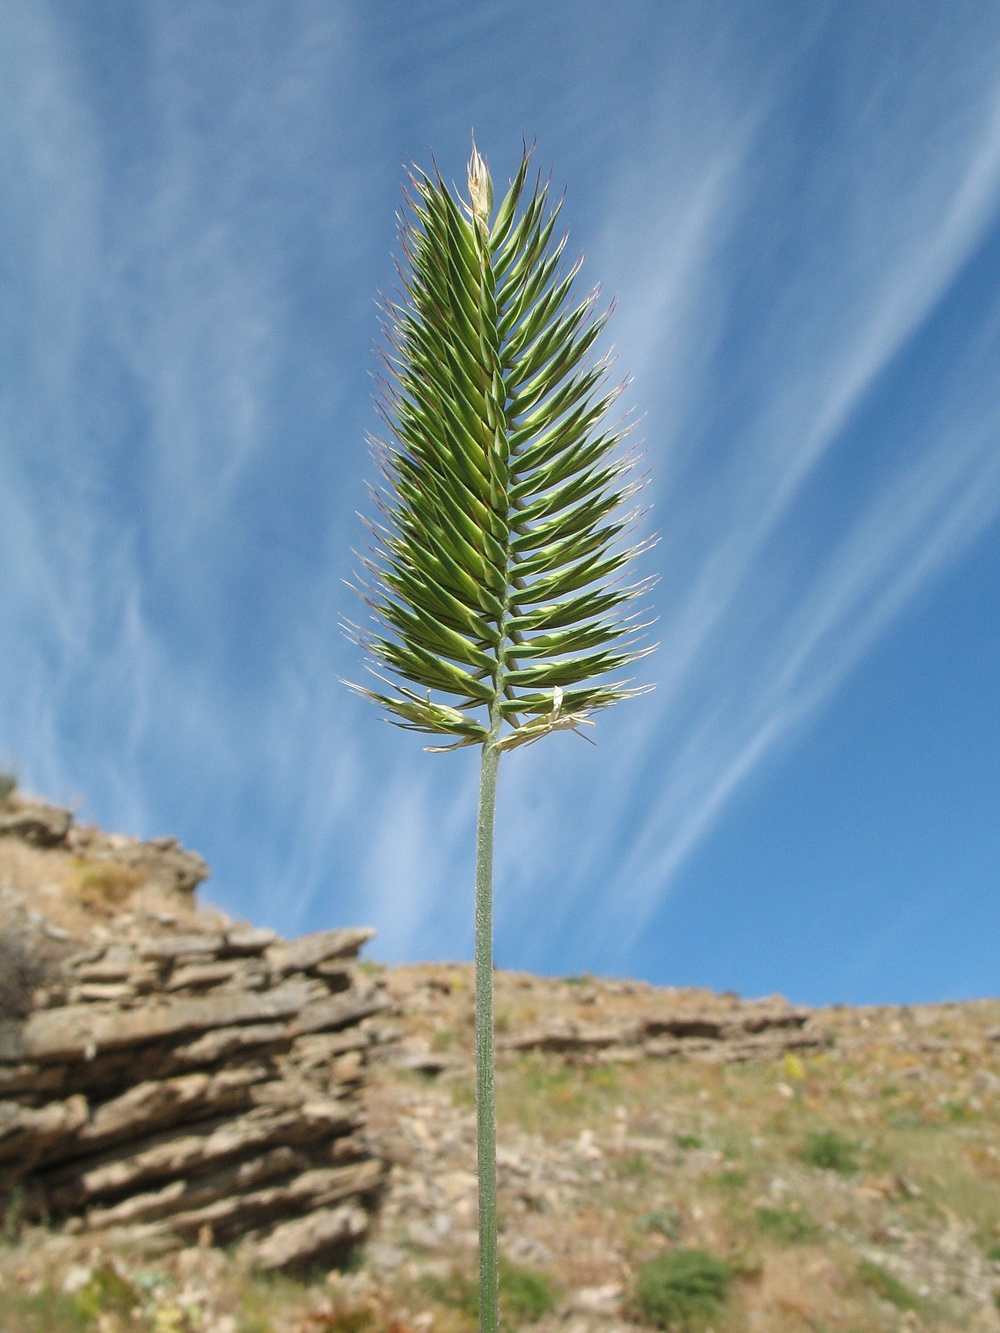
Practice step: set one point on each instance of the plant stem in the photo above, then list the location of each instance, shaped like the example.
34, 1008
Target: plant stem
489, 1281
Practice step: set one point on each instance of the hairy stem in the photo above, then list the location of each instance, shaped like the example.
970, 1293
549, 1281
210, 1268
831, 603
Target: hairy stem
489, 1282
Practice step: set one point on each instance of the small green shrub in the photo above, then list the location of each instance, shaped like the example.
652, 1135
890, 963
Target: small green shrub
8, 786
524, 1294
831, 1151
786, 1224
688, 1141
993, 1253
887, 1287
680, 1291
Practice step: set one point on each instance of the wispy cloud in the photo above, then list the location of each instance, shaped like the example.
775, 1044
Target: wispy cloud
768, 676
194, 259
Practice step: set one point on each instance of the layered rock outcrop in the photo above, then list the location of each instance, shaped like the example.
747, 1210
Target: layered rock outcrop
180, 1077
196, 1083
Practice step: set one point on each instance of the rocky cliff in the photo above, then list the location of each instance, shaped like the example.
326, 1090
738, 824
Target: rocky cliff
167, 1074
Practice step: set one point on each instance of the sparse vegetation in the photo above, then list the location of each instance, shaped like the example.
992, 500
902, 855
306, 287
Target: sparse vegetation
665, 1221
609, 1168
525, 1295
831, 1152
681, 1290
103, 885
107, 1293
790, 1226
8, 786
887, 1287
46, 1310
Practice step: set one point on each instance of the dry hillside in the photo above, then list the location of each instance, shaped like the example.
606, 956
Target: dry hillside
667, 1158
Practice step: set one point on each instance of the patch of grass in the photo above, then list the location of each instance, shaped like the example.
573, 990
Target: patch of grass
634, 1164
909, 1118
602, 1078
370, 968
254, 1323
8, 785
887, 1287
666, 1221
544, 1094
542, 1076
831, 1152
455, 1291
786, 1224
46, 1311
585, 980
731, 1177
524, 1293
958, 1112
993, 1253
107, 1293
688, 1141
105, 885
682, 1290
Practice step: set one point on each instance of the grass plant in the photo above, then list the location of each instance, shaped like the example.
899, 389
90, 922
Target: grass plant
525, 1295
495, 578
682, 1290
47, 1310
831, 1151
807, 1248
887, 1287
787, 1225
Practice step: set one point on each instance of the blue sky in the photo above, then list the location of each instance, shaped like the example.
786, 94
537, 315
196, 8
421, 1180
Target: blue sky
797, 211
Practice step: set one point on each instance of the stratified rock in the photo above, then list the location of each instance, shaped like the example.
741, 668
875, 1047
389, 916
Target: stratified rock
187, 1195
76, 1032
164, 947
196, 976
307, 951
177, 1074
339, 1011
307, 1238
201, 1148
249, 939
230, 1041
26, 1131
150, 1106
